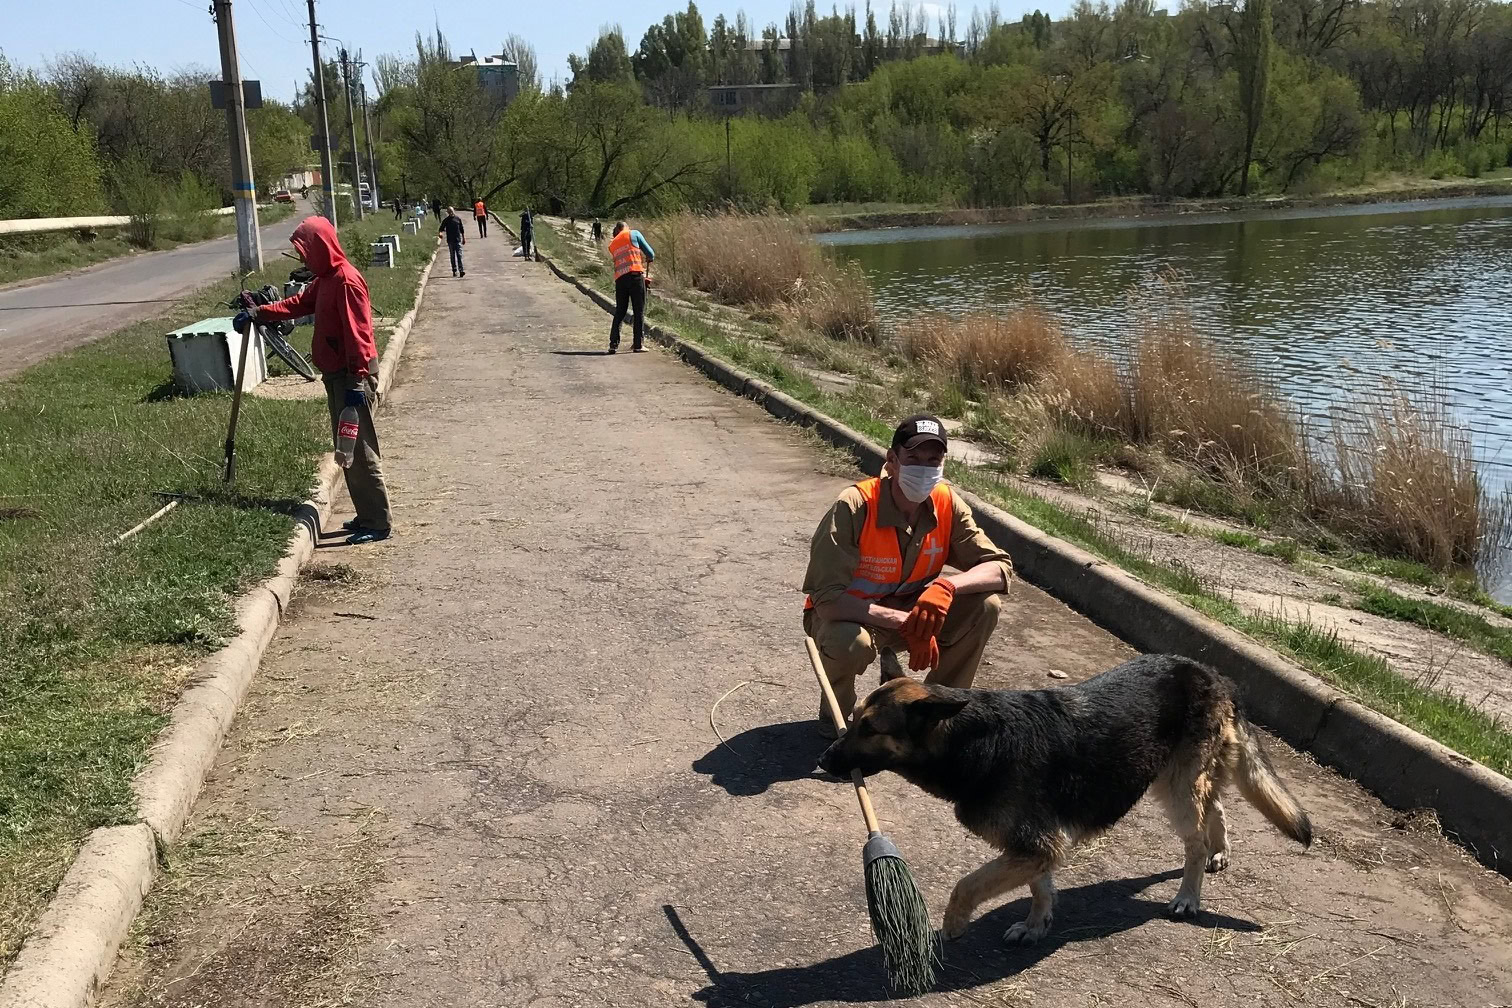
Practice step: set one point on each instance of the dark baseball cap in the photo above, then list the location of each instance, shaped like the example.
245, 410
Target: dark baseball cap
917, 429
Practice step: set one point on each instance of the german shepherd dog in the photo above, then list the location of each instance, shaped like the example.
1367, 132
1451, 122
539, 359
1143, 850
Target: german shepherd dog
1035, 772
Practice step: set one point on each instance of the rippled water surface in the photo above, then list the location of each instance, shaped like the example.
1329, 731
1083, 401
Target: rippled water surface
1328, 301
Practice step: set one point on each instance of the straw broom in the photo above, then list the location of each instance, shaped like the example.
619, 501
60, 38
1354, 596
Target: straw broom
899, 918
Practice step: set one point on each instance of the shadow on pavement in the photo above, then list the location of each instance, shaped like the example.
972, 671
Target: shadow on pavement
580, 353
754, 760
977, 959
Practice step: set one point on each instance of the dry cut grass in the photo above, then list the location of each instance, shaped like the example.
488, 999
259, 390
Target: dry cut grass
769, 262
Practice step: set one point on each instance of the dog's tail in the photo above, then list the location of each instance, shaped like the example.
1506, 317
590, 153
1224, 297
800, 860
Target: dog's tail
1259, 783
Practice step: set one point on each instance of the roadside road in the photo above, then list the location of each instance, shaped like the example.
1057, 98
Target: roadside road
50, 315
552, 745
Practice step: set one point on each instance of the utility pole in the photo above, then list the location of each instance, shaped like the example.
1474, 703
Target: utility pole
346, 82
367, 131
244, 190
327, 170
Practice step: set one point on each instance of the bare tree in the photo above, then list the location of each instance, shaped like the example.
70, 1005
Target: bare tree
523, 55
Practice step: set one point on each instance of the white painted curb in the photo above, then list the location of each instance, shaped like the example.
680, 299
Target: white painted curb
67, 957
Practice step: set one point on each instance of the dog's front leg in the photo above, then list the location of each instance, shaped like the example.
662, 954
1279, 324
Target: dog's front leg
996, 877
1041, 912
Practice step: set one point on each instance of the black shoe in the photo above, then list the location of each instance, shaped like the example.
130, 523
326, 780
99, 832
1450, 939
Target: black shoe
367, 535
637, 348
614, 348
464, 272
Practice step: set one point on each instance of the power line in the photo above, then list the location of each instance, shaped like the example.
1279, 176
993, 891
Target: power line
258, 11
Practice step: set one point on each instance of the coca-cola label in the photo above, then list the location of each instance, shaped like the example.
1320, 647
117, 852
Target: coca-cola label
348, 429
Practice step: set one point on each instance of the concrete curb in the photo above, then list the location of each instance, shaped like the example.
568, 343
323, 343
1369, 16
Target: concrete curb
1407, 770
70, 953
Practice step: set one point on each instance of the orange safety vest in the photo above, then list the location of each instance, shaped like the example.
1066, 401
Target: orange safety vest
478, 210
879, 571
627, 255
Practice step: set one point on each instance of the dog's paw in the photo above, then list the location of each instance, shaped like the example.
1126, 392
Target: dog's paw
1183, 907
1025, 933
1218, 862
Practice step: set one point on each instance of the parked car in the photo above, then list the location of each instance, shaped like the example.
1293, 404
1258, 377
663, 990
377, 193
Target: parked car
283, 196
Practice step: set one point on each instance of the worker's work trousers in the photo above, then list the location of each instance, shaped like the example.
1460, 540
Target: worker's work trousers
364, 477
482, 226
629, 297
848, 648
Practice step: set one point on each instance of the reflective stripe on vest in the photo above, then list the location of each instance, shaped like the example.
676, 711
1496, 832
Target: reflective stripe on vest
879, 571
627, 255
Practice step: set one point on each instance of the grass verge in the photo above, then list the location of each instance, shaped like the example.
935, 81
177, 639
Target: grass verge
97, 638
27, 257
1451, 720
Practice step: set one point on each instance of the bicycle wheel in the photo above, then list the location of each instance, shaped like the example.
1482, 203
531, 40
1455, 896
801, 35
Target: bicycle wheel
290, 356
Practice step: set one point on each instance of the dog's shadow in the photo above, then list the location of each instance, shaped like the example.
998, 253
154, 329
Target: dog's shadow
977, 959
754, 760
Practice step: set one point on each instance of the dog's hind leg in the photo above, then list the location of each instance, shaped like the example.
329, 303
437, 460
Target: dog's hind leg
1216, 827
996, 877
1186, 797
1041, 912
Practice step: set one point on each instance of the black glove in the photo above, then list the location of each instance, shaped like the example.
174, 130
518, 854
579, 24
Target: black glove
242, 322
356, 397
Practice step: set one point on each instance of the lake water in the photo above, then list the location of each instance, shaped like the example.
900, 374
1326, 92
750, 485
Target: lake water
1328, 301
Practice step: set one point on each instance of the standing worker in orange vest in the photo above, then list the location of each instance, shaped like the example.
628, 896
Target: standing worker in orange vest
876, 573
631, 254
481, 212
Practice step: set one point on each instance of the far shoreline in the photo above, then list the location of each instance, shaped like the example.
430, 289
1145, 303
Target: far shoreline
1148, 208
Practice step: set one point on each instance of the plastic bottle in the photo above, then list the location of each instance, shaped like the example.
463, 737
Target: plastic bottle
346, 437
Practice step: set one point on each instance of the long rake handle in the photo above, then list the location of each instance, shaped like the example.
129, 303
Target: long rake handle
867, 812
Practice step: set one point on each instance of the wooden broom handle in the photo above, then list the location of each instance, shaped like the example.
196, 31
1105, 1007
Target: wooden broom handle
833, 705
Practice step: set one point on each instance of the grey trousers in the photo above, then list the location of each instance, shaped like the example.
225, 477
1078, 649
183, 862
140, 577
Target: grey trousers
364, 477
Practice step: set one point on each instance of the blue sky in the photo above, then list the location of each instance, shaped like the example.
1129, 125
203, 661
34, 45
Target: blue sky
274, 39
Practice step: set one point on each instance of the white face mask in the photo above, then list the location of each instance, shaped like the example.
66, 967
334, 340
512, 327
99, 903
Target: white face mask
917, 481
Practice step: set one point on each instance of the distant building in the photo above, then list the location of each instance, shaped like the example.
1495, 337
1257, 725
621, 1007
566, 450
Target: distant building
500, 77
735, 99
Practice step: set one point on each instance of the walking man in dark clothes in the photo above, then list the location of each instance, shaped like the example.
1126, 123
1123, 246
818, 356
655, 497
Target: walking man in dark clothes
344, 351
525, 230
456, 237
436, 207
631, 254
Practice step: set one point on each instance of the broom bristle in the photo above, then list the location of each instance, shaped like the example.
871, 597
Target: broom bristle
900, 920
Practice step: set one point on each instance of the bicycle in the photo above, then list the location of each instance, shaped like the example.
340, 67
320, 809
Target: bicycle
274, 334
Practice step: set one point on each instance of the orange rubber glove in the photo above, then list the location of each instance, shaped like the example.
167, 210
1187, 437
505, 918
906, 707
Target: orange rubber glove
923, 653
927, 618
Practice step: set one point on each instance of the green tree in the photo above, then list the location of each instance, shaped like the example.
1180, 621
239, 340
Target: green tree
607, 62
50, 169
1253, 43
280, 143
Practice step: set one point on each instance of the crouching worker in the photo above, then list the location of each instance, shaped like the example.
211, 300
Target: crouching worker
876, 573
344, 351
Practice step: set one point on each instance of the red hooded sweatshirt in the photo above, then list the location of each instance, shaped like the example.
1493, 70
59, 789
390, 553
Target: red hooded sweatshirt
338, 298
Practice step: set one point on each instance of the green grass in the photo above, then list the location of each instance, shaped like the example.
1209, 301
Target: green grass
1468, 627
95, 638
26, 257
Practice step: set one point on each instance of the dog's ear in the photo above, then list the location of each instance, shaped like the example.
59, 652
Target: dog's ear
931, 709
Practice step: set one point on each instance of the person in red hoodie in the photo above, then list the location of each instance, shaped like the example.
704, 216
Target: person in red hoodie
344, 351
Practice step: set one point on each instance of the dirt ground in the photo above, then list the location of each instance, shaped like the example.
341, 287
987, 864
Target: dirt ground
553, 745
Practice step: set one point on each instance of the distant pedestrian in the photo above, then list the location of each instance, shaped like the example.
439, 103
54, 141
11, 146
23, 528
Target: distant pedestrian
631, 254
598, 231
456, 237
436, 207
344, 351
481, 213
525, 231
398, 208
